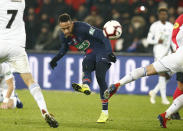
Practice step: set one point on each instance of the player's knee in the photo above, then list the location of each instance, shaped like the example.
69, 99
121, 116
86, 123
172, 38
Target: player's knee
150, 70
166, 75
102, 67
100, 78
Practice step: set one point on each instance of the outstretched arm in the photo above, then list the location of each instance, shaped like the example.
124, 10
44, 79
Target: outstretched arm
64, 48
8, 77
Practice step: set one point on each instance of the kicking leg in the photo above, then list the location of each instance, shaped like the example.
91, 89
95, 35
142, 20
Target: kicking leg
134, 75
88, 67
152, 69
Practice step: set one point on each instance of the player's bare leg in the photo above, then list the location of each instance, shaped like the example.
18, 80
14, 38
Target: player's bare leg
35, 91
134, 75
87, 67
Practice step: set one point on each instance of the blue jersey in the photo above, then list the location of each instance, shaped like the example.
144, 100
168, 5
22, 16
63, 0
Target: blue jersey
85, 37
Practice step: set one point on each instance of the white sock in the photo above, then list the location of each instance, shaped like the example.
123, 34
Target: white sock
35, 91
175, 106
157, 87
105, 111
134, 75
163, 87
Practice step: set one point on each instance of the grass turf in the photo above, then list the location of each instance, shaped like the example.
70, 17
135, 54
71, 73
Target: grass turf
78, 112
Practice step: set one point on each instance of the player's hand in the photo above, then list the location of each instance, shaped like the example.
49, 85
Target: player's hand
4, 106
112, 57
53, 63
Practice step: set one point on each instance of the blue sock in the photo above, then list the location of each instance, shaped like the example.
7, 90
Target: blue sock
104, 104
86, 81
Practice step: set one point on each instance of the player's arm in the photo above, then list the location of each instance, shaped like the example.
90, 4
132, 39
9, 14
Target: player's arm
63, 50
7, 102
151, 37
6, 71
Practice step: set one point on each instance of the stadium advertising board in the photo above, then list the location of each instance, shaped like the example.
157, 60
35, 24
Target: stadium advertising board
69, 69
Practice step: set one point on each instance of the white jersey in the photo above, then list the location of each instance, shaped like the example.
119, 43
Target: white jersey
12, 26
158, 31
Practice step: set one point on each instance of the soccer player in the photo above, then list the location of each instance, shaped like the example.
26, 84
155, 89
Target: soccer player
160, 36
171, 63
177, 39
179, 76
12, 51
98, 55
14, 101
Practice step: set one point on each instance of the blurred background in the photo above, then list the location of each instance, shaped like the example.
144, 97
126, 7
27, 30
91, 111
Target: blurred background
135, 16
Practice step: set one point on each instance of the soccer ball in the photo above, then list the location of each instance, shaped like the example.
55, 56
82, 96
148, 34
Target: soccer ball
112, 30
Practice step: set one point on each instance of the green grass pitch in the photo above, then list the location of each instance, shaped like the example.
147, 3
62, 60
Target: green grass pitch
78, 112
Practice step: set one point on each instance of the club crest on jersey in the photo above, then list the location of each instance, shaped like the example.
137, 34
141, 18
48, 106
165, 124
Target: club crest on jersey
16, 0
176, 25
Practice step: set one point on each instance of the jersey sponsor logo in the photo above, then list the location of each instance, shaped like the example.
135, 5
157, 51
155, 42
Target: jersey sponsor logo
83, 45
176, 25
91, 31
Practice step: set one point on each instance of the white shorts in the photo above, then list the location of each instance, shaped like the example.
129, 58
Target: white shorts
15, 56
171, 63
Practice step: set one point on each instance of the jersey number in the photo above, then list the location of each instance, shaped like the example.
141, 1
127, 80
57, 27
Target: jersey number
13, 13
